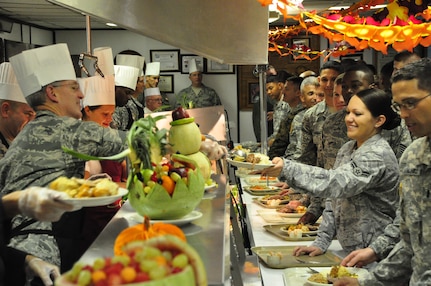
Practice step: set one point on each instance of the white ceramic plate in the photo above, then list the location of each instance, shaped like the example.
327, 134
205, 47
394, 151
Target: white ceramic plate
300, 275
96, 201
194, 215
248, 165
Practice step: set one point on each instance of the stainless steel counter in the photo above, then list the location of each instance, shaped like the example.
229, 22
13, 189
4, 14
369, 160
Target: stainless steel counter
209, 235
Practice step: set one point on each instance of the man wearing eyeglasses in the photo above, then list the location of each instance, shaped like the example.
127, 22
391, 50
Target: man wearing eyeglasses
409, 261
153, 100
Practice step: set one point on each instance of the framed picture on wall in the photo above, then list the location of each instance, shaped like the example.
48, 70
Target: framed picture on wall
169, 59
166, 83
185, 59
301, 44
214, 67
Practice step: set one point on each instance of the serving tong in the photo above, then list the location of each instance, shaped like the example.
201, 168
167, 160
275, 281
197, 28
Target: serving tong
95, 65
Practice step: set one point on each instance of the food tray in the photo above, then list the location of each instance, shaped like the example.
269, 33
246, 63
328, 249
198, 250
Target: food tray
271, 216
275, 229
288, 260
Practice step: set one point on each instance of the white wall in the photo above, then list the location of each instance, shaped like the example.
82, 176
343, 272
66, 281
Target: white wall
224, 84
28, 35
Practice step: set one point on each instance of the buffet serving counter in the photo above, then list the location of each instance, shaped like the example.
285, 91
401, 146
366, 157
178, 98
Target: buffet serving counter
208, 234
262, 238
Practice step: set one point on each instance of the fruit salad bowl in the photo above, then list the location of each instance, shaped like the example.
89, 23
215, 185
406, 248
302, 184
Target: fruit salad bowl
160, 261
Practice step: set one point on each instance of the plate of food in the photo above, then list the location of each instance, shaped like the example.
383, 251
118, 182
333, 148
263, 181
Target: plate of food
327, 275
291, 210
273, 201
88, 193
298, 230
302, 275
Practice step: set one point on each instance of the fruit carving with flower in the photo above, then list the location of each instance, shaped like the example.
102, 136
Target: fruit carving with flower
158, 189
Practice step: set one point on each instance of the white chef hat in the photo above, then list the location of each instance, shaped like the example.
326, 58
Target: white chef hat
105, 60
36, 68
126, 76
153, 69
97, 90
193, 66
152, 91
9, 88
131, 61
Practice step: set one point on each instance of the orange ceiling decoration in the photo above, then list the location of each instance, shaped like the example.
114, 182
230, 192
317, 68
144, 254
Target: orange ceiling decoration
402, 24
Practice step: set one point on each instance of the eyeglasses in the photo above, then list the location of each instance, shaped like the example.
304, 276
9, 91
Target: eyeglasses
408, 104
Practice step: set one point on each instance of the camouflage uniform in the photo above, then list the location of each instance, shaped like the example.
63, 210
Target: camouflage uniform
35, 158
410, 258
334, 135
364, 191
281, 111
4, 145
207, 97
293, 151
311, 146
311, 143
124, 116
282, 138
399, 138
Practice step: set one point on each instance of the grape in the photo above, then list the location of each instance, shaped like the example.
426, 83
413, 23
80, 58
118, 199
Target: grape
158, 273
74, 272
123, 259
84, 278
148, 265
167, 255
151, 252
181, 261
99, 263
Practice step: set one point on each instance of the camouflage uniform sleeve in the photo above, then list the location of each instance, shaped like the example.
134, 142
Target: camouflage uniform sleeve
394, 270
316, 207
293, 151
278, 147
327, 230
347, 180
120, 118
386, 242
308, 149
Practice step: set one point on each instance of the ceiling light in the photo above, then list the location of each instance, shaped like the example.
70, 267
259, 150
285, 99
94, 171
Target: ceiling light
111, 24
